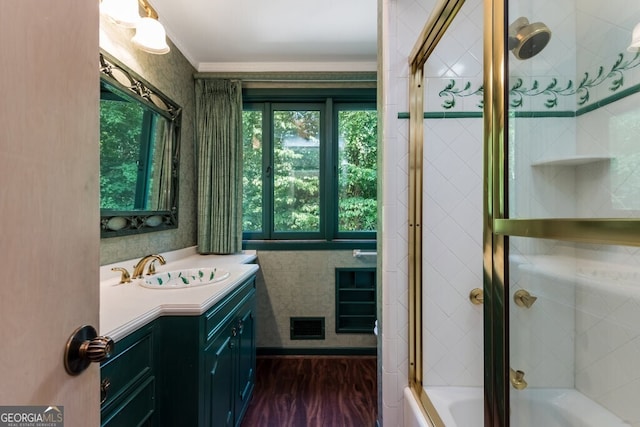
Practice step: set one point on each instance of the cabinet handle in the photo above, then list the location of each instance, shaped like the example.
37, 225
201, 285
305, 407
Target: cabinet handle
240, 326
104, 389
234, 331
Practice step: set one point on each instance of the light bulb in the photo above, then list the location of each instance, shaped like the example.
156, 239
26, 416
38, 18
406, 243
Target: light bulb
151, 36
122, 12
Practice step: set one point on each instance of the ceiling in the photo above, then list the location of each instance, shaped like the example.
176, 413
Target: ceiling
275, 35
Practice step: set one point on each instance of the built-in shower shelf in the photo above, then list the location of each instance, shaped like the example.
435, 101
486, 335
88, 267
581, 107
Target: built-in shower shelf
571, 161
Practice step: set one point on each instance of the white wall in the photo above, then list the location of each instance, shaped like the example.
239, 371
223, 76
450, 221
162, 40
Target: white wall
401, 22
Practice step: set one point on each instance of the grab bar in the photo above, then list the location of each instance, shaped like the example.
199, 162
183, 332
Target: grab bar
357, 253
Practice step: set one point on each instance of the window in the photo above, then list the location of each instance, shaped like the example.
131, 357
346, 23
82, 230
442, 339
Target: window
296, 170
357, 172
310, 168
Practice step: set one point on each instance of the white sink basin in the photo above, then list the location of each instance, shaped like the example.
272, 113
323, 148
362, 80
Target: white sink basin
186, 278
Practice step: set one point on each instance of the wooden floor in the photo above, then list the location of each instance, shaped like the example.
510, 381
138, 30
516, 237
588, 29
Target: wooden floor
314, 391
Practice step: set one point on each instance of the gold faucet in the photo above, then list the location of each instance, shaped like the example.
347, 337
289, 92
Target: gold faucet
523, 298
124, 274
138, 269
517, 379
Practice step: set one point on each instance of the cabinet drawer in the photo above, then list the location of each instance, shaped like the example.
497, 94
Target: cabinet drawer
135, 410
132, 363
216, 316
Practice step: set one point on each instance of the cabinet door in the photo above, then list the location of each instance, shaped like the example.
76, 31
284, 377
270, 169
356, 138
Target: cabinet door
246, 357
136, 409
128, 383
219, 385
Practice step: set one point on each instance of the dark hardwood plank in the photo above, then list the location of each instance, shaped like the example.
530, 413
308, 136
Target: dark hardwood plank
314, 391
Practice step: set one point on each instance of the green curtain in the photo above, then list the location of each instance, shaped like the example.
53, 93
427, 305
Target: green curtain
219, 163
162, 165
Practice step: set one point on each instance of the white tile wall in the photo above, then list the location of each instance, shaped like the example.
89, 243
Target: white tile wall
453, 205
583, 331
541, 337
607, 189
452, 258
394, 218
399, 28
607, 335
541, 191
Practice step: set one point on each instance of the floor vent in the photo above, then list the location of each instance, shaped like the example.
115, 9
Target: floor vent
307, 328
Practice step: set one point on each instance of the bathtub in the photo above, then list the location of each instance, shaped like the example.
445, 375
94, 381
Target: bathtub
463, 407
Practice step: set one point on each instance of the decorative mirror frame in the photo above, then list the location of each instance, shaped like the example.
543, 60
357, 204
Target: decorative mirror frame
121, 223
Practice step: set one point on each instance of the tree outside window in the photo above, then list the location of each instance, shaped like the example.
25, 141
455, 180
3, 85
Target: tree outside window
310, 171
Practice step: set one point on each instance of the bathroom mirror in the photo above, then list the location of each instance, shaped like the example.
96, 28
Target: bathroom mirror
139, 153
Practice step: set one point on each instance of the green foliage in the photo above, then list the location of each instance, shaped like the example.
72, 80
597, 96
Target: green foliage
296, 174
252, 173
296, 171
623, 146
358, 214
357, 183
120, 129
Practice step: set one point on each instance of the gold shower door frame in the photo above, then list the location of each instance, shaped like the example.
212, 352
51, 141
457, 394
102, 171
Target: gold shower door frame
434, 29
497, 227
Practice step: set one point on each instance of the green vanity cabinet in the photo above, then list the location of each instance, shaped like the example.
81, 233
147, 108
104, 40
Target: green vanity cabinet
246, 358
209, 363
230, 363
219, 381
191, 371
128, 381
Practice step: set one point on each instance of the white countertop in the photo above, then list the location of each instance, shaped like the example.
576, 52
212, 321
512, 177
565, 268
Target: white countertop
127, 307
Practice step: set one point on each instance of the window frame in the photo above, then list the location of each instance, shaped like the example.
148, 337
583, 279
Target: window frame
330, 101
273, 234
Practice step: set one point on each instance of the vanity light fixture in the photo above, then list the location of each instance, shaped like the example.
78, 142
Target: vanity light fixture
150, 34
123, 13
635, 40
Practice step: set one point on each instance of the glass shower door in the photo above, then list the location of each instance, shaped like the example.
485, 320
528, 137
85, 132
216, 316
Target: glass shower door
571, 234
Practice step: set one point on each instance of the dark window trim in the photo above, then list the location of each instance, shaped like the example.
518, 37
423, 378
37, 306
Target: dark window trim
310, 245
265, 100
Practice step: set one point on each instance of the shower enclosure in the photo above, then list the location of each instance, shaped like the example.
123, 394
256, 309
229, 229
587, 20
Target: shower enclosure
566, 176
561, 234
